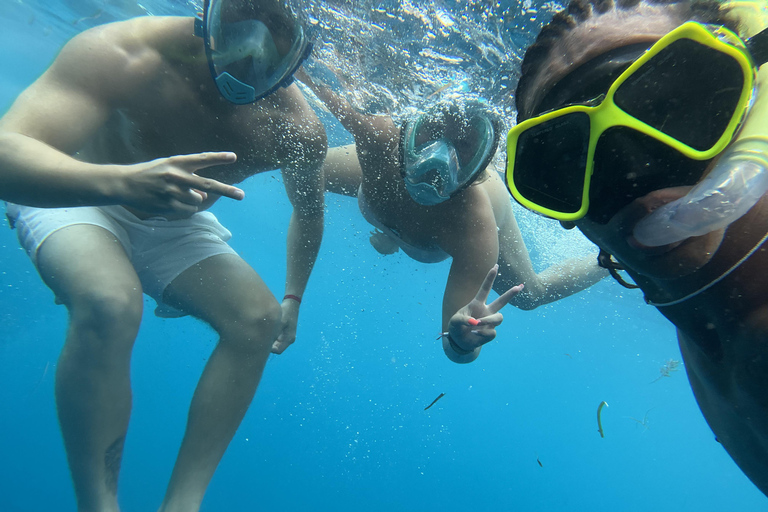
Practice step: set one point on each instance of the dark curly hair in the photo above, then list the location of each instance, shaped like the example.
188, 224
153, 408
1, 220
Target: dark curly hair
579, 11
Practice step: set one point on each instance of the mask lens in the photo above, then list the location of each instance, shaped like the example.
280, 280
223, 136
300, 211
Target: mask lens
688, 91
551, 160
630, 164
252, 49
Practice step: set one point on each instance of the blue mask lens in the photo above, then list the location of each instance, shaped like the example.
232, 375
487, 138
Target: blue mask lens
250, 58
432, 172
443, 150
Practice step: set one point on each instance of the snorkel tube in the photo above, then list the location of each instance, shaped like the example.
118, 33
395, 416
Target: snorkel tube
730, 190
736, 183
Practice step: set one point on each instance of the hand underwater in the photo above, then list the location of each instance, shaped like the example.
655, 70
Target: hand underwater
475, 324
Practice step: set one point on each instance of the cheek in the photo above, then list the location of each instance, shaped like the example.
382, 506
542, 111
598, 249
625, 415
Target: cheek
598, 234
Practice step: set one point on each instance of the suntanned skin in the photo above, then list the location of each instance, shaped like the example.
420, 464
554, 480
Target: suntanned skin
477, 228
723, 331
106, 125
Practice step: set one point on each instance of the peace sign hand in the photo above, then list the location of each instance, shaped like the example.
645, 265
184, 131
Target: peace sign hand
475, 324
170, 185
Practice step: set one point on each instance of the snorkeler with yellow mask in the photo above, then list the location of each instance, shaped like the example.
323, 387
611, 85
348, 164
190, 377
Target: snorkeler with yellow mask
645, 125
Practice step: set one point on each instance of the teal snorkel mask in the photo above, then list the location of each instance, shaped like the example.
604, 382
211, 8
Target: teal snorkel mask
253, 47
443, 150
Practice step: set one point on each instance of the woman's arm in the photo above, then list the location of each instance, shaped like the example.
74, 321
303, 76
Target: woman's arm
362, 126
470, 237
342, 171
554, 283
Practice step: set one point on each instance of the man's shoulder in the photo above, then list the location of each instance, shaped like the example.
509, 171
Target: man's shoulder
134, 36
121, 56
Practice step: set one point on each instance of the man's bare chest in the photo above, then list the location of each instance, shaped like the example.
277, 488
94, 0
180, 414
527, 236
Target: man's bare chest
160, 127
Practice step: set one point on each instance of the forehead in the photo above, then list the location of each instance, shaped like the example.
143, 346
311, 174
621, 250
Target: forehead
597, 35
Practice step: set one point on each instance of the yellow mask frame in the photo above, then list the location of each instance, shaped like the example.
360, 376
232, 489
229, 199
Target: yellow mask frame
607, 114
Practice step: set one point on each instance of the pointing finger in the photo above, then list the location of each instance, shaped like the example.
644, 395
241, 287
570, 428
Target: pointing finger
504, 298
204, 185
191, 197
207, 185
490, 321
197, 161
485, 289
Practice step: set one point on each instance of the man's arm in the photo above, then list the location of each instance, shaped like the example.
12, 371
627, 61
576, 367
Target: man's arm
305, 189
305, 186
556, 282
92, 76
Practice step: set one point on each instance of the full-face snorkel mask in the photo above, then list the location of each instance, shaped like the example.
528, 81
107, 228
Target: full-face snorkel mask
251, 50
443, 150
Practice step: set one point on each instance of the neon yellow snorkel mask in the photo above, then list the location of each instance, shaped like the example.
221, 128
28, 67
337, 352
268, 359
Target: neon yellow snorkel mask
659, 97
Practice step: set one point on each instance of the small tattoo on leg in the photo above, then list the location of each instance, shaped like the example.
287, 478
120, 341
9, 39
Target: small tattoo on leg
112, 459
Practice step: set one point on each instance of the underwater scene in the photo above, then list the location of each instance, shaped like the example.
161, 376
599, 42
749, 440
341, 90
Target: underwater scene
580, 404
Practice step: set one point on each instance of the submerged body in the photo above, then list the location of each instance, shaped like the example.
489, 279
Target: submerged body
711, 287
476, 227
114, 130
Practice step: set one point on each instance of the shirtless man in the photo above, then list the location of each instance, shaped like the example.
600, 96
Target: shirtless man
104, 151
662, 119
391, 171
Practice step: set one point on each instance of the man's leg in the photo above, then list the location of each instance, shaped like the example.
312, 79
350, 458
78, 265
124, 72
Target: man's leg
228, 294
88, 270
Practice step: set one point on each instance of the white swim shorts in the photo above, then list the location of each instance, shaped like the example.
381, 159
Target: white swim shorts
159, 249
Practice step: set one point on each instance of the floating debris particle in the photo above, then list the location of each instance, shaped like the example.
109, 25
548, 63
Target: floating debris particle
599, 422
441, 395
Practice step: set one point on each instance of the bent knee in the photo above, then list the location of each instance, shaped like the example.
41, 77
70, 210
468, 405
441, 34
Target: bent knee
251, 326
106, 316
111, 304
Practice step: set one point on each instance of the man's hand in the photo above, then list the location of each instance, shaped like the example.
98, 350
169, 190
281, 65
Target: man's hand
475, 324
170, 185
288, 330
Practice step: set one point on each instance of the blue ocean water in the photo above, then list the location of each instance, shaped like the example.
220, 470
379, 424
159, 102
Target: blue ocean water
338, 423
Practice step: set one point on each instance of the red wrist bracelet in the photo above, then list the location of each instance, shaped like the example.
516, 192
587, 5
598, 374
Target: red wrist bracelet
293, 297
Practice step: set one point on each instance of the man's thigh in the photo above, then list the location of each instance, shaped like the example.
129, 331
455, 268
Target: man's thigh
78, 260
218, 289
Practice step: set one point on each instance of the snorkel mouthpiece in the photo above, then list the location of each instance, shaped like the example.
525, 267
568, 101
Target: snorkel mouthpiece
737, 182
435, 168
732, 188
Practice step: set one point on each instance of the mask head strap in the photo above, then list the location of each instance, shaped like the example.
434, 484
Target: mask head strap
758, 47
